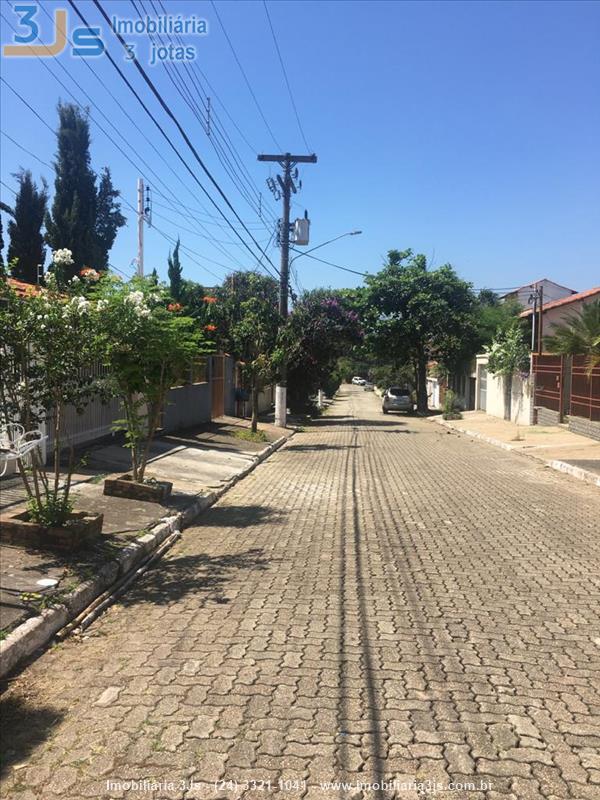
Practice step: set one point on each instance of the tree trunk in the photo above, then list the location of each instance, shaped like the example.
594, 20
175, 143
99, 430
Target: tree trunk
508, 396
422, 384
254, 395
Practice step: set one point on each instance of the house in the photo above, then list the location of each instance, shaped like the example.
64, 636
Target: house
560, 389
524, 294
555, 311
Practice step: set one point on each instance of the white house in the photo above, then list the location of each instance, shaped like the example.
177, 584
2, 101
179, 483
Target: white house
551, 291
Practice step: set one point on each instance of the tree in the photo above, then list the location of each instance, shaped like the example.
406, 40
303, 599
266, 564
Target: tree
2, 267
579, 334
321, 328
71, 224
253, 334
42, 373
25, 228
420, 315
108, 219
175, 272
509, 353
148, 346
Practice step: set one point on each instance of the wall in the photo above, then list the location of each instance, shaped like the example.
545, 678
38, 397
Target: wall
521, 401
585, 427
187, 406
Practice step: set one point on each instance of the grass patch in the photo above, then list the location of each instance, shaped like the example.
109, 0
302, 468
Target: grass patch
248, 436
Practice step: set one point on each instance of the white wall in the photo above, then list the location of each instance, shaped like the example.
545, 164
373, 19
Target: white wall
521, 395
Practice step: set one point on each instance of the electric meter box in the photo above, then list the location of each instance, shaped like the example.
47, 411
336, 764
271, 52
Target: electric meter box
301, 231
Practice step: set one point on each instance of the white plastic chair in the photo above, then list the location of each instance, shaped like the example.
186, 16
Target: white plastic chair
16, 442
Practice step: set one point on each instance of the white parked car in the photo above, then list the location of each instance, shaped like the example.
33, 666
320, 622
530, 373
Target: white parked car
358, 381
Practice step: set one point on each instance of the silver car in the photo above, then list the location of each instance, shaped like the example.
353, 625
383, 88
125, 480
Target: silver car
397, 399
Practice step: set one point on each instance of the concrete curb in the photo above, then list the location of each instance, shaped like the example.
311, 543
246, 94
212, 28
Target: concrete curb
36, 632
560, 466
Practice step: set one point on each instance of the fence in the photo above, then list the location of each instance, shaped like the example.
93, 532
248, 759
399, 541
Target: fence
565, 387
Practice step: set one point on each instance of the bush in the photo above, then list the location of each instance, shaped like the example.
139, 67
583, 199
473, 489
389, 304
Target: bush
452, 407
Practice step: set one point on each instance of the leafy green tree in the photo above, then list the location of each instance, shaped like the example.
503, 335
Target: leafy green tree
148, 346
253, 334
579, 334
175, 273
108, 219
2, 266
26, 245
419, 315
321, 328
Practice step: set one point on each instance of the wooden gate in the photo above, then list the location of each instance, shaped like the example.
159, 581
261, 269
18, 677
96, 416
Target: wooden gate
217, 383
585, 390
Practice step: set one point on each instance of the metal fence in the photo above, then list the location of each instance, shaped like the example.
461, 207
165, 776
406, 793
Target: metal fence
567, 386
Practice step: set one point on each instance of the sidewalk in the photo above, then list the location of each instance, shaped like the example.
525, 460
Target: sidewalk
201, 464
555, 446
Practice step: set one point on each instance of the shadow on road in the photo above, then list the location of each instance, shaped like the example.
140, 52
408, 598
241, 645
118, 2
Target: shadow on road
25, 725
204, 576
241, 516
319, 447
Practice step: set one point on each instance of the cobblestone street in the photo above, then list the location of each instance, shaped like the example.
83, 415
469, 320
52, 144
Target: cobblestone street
381, 600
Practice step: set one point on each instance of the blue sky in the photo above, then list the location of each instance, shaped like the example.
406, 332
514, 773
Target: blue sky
467, 131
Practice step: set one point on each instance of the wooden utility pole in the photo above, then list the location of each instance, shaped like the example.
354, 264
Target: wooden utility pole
283, 189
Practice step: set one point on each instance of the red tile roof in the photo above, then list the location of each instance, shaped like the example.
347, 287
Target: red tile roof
23, 288
564, 301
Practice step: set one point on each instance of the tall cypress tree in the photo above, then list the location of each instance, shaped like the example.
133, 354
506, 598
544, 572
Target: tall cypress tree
108, 219
25, 228
72, 221
175, 273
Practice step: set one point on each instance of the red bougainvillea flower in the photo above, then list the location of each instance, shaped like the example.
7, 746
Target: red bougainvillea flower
210, 328
209, 299
174, 307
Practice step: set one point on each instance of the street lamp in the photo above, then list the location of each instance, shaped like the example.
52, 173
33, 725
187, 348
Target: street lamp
329, 241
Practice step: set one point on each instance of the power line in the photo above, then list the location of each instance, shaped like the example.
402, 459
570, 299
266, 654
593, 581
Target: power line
208, 234
287, 83
331, 264
25, 150
239, 63
184, 135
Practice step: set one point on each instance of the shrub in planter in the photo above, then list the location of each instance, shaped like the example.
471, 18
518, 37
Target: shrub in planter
452, 407
149, 346
48, 349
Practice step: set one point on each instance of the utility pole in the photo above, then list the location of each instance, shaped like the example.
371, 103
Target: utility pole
283, 189
141, 216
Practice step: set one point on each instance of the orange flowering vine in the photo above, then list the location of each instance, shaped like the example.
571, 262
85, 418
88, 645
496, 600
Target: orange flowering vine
174, 307
210, 328
209, 299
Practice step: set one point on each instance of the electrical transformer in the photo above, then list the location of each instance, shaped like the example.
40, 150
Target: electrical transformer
301, 231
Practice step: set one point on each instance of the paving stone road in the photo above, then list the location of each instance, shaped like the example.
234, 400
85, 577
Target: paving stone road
381, 600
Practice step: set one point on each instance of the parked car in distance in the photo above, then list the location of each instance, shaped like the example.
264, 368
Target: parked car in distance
358, 381
397, 399
369, 387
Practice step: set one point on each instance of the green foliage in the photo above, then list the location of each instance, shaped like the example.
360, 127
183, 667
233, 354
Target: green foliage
175, 273
251, 436
578, 334
50, 510
419, 315
26, 245
2, 265
321, 328
108, 219
149, 347
452, 408
48, 348
83, 219
388, 375
509, 351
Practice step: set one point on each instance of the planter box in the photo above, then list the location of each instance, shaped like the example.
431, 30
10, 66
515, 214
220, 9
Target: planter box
82, 529
125, 486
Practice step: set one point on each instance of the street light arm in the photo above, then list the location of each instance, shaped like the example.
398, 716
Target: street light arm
329, 241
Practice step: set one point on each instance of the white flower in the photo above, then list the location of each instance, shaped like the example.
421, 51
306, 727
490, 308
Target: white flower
74, 279
137, 298
143, 312
63, 257
101, 305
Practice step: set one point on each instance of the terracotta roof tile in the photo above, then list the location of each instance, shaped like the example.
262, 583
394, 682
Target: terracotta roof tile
565, 301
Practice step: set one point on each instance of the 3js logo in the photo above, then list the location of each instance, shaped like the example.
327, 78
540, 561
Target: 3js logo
85, 42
